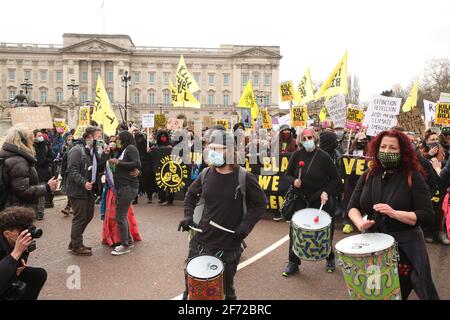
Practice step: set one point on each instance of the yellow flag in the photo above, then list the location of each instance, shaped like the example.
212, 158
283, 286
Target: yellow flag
305, 91
176, 98
411, 102
323, 113
337, 81
185, 81
103, 113
287, 91
248, 100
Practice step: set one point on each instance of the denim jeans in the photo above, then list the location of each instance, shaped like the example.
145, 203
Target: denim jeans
125, 196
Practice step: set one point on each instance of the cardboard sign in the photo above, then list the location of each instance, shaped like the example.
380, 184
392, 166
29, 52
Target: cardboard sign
443, 113
85, 116
246, 117
381, 114
175, 124
299, 116
207, 122
222, 122
337, 109
412, 121
355, 116
148, 120
266, 119
287, 91
32, 117
160, 121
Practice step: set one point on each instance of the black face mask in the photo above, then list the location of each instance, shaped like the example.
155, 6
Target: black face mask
361, 145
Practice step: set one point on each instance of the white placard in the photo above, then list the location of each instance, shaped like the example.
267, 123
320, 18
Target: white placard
337, 109
284, 120
382, 114
148, 120
430, 112
444, 97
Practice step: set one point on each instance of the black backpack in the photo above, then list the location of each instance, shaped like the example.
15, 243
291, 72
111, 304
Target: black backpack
4, 185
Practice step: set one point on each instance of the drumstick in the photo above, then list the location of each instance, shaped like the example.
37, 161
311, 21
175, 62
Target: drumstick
316, 219
220, 227
301, 164
195, 229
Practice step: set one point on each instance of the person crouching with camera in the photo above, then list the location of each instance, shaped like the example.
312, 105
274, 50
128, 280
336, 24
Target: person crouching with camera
17, 233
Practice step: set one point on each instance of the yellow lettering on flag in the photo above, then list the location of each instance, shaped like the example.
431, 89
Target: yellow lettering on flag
266, 119
248, 100
305, 91
337, 81
411, 102
176, 101
185, 81
103, 113
287, 91
299, 116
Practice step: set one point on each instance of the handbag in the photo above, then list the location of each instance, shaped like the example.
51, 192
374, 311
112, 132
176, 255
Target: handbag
287, 209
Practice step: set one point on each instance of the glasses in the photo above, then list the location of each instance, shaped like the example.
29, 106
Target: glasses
306, 138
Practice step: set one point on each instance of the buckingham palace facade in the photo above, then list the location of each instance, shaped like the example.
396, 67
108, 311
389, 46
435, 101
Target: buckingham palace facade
221, 73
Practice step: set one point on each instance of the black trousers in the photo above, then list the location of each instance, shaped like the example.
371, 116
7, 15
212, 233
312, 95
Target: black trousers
230, 258
166, 196
35, 279
327, 208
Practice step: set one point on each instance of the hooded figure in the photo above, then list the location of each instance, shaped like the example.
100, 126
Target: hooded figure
158, 152
286, 141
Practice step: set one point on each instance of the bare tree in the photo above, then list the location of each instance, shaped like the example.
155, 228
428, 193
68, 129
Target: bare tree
436, 78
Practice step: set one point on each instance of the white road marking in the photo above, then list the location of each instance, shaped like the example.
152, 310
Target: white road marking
256, 257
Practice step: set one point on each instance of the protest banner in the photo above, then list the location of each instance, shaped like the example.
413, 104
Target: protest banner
305, 91
171, 173
174, 124
443, 113
246, 117
60, 125
32, 118
266, 119
287, 119
207, 122
79, 131
355, 115
85, 116
381, 114
337, 109
411, 101
103, 113
160, 121
336, 82
299, 117
248, 100
412, 121
287, 91
430, 112
223, 122
148, 120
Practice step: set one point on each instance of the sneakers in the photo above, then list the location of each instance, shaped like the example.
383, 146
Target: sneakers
290, 269
348, 228
65, 211
429, 240
443, 238
120, 250
331, 267
277, 217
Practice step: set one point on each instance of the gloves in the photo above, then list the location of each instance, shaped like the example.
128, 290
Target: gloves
185, 223
241, 232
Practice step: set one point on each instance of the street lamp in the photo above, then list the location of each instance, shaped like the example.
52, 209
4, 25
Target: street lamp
26, 84
160, 108
125, 80
72, 86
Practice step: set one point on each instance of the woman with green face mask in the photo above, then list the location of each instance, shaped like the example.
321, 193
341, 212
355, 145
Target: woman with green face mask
394, 196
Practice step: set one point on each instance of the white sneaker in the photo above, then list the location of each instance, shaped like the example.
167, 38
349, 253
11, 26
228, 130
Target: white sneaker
444, 239
120, 250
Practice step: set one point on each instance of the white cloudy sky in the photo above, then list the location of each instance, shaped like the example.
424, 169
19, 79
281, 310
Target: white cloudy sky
388, 41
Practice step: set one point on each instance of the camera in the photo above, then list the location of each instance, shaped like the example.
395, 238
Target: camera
35, 234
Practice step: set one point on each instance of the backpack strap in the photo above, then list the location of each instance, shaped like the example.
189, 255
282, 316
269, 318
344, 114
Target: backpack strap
242, 187
203, 174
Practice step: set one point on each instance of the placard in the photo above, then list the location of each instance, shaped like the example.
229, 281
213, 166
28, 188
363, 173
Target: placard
32, 118
148, 120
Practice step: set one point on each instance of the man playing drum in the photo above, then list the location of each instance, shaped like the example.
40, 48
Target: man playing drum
224, 206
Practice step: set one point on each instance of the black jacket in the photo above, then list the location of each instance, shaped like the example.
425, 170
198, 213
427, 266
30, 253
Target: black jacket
23, 178
130, 161
8, 266
44, 157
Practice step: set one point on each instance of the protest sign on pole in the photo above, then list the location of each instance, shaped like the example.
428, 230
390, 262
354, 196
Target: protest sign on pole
85, 117
444, 97
32, 118
60, 125
299, 117
222, 122
443, 113
287, 91
266, 119
287, 119
160, 121
246, 117
174, 124
430, 112
207, 122
381, 114
412, 121
337, 109
355, 115
148, 120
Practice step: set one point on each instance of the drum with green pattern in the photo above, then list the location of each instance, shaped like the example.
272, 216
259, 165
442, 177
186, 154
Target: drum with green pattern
369, 264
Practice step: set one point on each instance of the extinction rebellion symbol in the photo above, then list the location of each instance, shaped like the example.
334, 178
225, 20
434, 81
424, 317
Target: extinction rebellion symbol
171, 174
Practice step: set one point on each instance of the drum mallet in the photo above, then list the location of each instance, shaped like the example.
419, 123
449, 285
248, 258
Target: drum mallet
316, 219
301, 164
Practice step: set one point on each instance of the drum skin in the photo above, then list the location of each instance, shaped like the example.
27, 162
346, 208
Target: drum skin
311, 245
371, 276
206, 282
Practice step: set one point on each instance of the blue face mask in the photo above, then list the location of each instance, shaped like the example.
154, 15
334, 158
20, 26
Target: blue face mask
216, 158
309, 145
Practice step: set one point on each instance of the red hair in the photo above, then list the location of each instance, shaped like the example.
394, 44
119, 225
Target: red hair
409, 161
